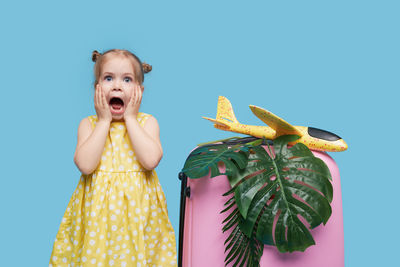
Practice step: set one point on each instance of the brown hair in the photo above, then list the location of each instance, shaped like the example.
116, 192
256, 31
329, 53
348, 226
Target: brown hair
139, 67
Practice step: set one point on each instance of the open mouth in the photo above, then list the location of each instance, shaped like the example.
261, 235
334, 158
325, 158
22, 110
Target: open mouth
117, 105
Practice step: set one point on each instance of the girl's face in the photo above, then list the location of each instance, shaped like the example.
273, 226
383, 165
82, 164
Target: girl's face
117, 81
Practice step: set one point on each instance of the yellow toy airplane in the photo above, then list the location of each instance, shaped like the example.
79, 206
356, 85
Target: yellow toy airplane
313, 138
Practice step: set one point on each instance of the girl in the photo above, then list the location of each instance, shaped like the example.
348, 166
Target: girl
117, 215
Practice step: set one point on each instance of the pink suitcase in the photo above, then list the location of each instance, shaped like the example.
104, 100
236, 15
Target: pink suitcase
201, 241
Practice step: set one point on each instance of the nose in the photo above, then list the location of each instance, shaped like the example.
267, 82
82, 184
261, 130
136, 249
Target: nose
117, 85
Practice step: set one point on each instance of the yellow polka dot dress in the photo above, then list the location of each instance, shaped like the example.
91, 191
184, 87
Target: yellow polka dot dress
117, 215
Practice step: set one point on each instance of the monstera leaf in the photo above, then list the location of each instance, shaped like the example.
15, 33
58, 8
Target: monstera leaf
278, 194
277, 188
206, 158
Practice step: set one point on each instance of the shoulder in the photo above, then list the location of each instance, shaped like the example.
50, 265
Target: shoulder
87, 123
85, 128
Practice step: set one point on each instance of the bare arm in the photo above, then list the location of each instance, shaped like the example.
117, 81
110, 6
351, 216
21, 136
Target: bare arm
145, 141
90, 145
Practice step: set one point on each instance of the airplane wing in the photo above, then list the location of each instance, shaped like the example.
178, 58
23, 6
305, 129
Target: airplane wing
273, 121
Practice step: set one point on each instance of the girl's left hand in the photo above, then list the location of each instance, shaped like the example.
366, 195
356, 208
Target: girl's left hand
132, 108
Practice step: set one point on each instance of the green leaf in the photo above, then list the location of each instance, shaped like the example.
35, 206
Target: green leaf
242, 249
279, 188
204, 159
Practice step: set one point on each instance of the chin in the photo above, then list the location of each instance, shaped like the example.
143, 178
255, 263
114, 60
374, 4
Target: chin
117, 117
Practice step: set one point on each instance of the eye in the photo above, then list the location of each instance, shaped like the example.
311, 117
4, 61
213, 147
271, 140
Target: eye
108, 78
127, 79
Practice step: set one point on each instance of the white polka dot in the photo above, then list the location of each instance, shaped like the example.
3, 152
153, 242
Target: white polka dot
140, 256
137, 210
83, 259
93, 261
114, 227
92, 242
121, 168
92, 234
111, 206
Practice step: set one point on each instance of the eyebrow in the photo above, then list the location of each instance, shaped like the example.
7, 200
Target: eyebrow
126, 73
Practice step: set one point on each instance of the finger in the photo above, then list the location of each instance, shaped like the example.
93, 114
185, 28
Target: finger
135, 93
99, 96
140, 95
103, 99
96, 92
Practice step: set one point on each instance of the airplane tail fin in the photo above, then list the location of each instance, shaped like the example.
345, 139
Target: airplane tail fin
225, 111
225, 116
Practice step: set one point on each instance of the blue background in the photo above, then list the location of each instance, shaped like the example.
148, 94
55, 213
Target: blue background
328, 64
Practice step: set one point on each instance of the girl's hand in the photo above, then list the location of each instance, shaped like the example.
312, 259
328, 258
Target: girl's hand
132, 108
100, 104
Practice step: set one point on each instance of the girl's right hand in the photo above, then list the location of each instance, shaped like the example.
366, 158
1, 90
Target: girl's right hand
100, 104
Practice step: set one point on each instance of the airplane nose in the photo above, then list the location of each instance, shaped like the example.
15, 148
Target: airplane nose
343, 145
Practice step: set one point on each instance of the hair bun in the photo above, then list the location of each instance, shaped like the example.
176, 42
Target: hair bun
95, 55
146, 67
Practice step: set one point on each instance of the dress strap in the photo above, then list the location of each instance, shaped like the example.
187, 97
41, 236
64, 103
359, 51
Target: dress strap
93, 120
143, 118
